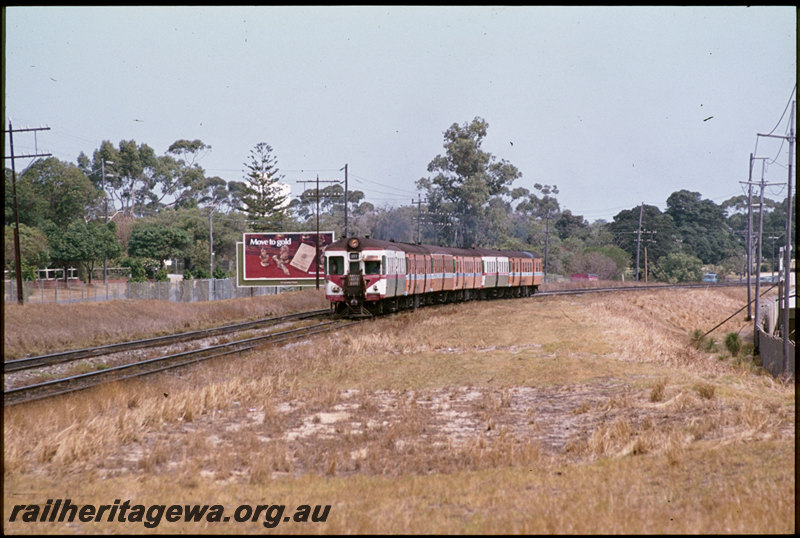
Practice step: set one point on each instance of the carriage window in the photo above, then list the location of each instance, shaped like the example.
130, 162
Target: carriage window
372, 267
355, 268
336, 265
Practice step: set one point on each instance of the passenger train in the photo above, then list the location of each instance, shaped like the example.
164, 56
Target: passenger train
366, 277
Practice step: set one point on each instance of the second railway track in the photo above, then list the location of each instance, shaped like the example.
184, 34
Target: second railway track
152, 365
40, 361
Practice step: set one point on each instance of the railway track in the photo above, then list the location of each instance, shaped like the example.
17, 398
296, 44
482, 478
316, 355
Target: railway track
160, 363
582, 291
40, 361
73, 383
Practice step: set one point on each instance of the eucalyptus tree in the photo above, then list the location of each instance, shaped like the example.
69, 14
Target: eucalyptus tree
657, 233
183, 181
127, 174
52, 191
702, 227
540, 210
569, 225
331, 206
396, 224
464, 179
139, 182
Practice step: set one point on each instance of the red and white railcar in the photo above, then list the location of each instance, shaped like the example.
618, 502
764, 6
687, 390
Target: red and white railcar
366, 276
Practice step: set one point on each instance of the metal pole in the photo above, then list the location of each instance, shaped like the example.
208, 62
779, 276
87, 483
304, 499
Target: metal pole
345, 200
758, 255
749, 234
316, 241
788, 254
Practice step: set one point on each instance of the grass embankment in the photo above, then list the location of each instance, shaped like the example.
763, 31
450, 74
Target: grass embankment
36, 329
592, 414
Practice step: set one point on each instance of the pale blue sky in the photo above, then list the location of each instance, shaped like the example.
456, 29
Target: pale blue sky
615, 105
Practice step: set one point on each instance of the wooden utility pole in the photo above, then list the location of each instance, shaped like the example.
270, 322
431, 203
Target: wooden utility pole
316, 240
645, 263
749, 235
546, 242
105, 218
345, 199
419, 202
17, 250
639, 240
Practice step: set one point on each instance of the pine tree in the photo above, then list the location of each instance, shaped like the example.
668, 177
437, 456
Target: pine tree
264, 199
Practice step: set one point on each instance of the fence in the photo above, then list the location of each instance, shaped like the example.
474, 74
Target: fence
770, 346
187, 291
770, 349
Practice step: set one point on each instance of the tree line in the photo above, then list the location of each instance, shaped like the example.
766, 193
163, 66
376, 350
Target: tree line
127, 206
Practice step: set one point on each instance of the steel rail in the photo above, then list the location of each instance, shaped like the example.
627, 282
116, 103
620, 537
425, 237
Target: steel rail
636, 288
26, 363
78, 382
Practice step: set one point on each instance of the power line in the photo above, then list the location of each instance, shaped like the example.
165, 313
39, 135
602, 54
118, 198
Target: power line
789, 102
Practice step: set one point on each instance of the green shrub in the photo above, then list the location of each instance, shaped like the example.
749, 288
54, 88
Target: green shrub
138, 273
733, 343
161, 275
219, 272
201, 272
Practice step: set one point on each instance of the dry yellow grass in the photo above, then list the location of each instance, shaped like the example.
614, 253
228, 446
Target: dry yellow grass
494, 417
35, 329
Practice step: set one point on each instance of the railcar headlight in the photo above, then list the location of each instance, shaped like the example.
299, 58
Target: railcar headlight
354, 243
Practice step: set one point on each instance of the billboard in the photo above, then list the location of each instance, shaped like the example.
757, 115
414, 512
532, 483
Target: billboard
282, 258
